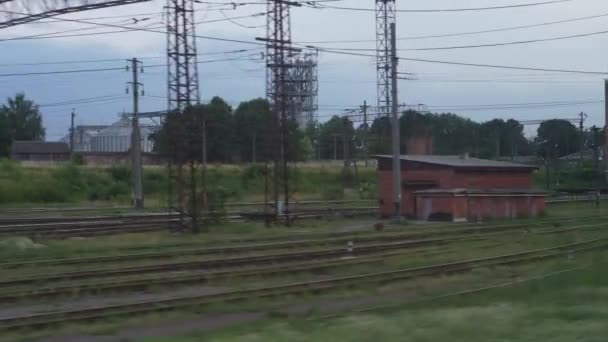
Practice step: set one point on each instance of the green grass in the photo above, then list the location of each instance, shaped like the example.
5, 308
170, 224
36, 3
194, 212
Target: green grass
562, 308
71, 183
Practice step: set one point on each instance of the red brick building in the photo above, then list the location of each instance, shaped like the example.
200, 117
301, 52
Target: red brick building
459, 188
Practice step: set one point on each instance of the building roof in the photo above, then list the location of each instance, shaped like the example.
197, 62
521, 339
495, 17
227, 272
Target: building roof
39, 147
491, 191
458, 161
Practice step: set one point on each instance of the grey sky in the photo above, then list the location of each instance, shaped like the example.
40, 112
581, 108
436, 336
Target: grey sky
345, 81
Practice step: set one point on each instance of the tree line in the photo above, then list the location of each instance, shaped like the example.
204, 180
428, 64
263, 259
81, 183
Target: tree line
20, 119
248, 133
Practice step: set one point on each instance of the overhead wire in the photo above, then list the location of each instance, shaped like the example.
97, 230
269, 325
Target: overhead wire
511, 28
487, 8
148, 30
480, 65
59, 34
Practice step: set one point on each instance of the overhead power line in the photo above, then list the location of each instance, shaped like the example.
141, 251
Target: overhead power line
512, 28
471, 9
76, 71
341, 52
529, 41
146, 30
60, 72
81, 101
60, 34
82, 61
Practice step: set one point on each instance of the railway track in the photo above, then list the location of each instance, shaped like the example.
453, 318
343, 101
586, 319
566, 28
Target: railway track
61, 227
316, 286
446, 236
117, 285
213, 269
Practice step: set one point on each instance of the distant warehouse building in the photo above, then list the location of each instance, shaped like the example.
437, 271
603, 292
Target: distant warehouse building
40, 151
117, 138
459, 188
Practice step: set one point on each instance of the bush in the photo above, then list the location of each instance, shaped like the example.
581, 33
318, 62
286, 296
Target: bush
216, 203
333, 192
154, 182
78, 159
120, 173
71, 177
252, 175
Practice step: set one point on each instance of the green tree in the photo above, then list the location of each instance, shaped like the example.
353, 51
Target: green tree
253, 124
379, 137
220, 129
332, 136
453, 134
24, 119
5, 139
557, 138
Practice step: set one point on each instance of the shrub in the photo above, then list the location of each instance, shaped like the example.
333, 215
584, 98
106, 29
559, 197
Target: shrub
333, 192
120, 173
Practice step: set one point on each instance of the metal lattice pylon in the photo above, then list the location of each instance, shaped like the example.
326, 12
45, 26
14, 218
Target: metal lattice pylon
303, 88
385, 16
279, 55
183, 89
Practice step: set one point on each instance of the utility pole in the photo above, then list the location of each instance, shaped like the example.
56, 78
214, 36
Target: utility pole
346, 143
396, 133
582, 135
335, 147
365, 132
605, 149
253, 148
136, 164
73, 115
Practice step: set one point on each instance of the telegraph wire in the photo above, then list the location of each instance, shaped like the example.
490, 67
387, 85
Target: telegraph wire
530, 41
472, 9
463, 33
480, 65
55, 35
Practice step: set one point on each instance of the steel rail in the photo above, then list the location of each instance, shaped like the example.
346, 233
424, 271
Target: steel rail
339, 239
251, 260
316, 286
115, 285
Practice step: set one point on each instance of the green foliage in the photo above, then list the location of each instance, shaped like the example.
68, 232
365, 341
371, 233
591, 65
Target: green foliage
78, 159
452, 134
556, 138
253, 130
20, 119
333, 192
253, 175
332, 136
120, 173
5, 138
216, 199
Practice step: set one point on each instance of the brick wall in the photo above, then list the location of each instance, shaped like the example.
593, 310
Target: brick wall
491, 179
445, 178
479, 207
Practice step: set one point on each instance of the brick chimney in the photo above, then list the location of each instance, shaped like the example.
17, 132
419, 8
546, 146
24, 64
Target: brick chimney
420, 145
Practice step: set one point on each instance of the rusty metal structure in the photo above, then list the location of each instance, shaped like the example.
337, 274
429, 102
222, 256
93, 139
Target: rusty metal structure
385, 17
279, 60
183, 92
303, 88
183, 87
